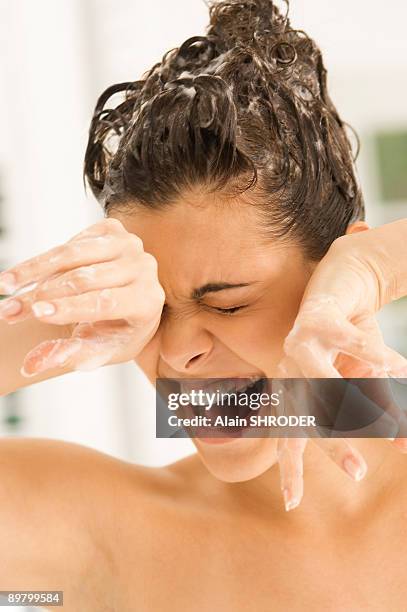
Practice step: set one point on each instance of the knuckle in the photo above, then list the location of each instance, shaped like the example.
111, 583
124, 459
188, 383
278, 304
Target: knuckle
135, 242
78, 279
297, 445
111, 223
106, 300
70, 251
150, 262
41, 292
337, 242
359, 341
153, 300
311, 324
144, 311
85, 233
161, 293
298, 331
299, 336
289, 344
340, 243
61, 250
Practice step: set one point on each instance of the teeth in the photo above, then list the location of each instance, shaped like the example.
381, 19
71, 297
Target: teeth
251, 382
225, 386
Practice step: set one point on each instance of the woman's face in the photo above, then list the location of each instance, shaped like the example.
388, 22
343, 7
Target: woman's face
202, 246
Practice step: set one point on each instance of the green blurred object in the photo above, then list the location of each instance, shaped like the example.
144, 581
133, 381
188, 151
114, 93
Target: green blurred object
11, 418
12, 421
391, 150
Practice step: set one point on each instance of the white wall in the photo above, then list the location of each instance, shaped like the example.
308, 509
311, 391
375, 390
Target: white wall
45, 93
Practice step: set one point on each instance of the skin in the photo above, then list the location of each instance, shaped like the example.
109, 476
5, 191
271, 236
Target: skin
224, 503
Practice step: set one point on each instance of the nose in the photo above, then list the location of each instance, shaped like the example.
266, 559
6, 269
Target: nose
185, 346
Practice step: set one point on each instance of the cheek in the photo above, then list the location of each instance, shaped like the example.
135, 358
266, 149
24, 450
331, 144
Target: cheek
258, 337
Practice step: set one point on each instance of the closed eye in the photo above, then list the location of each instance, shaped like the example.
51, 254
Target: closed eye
229, 311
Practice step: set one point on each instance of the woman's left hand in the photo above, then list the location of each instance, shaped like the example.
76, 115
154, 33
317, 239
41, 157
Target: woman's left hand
336, 334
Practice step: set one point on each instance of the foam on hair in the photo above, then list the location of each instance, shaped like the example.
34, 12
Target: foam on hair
242, 111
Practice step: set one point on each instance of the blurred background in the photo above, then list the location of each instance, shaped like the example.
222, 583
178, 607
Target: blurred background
56, 57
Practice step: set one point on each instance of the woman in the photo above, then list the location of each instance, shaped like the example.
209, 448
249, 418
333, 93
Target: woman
234, 246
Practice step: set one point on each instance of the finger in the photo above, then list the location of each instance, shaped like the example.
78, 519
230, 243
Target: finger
380, 392
288, 368
91, 346
397, 368
295, 392
104, 226
81, 252
400, 444
300, 394
80, 280
290, 453
399, 414
115, 273
15, 309
358, 343
335, 334
313, 360
50, 354
76, 353
396, 364
132, 302
393, 361
346, 456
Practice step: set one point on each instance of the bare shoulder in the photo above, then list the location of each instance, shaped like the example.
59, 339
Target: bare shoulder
49, 538
83, 476
76, 519
155, 514
60, 516
80, 477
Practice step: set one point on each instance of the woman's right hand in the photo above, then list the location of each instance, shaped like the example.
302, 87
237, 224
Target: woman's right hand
102, 284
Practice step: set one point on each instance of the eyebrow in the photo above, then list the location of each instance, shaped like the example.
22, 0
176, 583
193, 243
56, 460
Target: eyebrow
199, 293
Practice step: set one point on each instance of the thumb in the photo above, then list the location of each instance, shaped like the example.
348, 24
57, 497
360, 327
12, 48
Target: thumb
91, 346
50, 354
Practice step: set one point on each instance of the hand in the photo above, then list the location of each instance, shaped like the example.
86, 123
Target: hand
102, 284
336, 334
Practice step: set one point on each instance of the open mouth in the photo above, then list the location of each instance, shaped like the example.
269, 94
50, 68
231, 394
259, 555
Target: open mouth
228, 403
233, 399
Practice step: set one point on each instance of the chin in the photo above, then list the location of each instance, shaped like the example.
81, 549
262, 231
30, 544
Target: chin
238, 460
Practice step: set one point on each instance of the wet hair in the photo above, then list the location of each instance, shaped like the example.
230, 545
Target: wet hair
242, 112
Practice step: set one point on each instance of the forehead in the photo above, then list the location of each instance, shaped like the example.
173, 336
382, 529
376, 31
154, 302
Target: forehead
195, 243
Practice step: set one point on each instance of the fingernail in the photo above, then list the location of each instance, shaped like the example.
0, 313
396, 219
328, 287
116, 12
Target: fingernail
10, 307
354, 468
41, 309
8, 283
289, 501
24, 372
400, 444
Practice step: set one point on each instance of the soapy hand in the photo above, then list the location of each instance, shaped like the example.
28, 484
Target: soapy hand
336, 335
102, 284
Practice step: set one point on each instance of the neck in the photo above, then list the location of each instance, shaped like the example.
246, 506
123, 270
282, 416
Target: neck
329, 494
